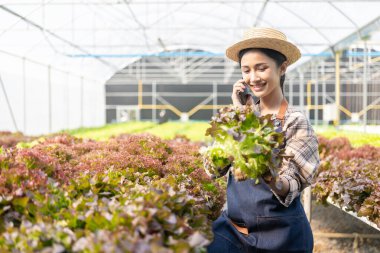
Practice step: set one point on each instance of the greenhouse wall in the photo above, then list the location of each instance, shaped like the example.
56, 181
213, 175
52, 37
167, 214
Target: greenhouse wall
74, 101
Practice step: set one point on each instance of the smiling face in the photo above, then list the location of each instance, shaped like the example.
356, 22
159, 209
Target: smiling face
261, 73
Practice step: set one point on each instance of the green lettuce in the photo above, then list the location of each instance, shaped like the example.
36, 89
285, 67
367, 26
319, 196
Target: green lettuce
250, 145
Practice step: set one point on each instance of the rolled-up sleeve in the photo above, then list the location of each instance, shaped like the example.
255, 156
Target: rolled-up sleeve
301, 142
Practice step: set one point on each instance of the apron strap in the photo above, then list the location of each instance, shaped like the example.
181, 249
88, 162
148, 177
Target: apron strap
281, 113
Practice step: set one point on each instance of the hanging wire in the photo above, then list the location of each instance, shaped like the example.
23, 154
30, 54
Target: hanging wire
27, 15
305, 21
261, 13
269, 24
347, 17
168, 14
54, 35
139, 23
107, 16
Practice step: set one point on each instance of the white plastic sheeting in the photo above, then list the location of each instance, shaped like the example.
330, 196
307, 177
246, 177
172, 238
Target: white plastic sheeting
43, 99
55, 55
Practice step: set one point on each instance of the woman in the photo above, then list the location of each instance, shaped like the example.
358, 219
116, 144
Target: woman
269, 217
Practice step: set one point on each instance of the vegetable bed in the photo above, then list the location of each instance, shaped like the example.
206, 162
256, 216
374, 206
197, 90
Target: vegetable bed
130, 194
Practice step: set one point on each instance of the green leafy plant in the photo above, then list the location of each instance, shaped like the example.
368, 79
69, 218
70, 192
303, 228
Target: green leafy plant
132, 193
252, 145
349, 177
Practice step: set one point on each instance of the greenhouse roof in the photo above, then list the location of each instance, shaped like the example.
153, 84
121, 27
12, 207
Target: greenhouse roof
98, 37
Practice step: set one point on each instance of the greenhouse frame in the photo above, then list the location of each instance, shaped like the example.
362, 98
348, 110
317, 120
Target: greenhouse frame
62, 60
121, 127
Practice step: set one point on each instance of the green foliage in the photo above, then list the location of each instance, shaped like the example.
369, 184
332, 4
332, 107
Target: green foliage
130, 193
193, 130
357, 139
105, 132
251, 144
9, 139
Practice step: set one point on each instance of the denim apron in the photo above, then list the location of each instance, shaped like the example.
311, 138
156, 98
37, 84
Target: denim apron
271, 226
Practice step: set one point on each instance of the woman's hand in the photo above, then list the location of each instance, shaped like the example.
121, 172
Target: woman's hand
281, 187
239, 87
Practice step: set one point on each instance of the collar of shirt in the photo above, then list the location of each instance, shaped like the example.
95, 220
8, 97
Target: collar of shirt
257, 108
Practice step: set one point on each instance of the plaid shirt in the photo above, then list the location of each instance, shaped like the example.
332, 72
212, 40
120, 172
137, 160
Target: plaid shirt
303, 144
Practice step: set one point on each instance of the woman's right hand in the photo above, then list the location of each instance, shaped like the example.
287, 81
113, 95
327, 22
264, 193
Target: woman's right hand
238, 88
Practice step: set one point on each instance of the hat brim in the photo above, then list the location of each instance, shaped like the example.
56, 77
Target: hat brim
291, 52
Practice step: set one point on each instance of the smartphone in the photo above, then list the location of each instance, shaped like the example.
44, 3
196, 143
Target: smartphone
243, 96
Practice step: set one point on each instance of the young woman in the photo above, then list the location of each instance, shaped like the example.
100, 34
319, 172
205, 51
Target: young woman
269, 217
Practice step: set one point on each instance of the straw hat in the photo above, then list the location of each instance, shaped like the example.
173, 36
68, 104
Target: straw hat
258, 37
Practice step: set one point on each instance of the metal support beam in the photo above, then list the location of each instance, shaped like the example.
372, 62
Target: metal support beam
365, 86
337, 86
291, 81
24, 94
316, 94
8, 104
81, 100
46, 31
49, 105
302, 91
215, 96
200, 105
140, 93
42, 64
324, 98
154, 100
308, 98
261, 13
67, 101
196, 71
373, 105
349, 40
167, 106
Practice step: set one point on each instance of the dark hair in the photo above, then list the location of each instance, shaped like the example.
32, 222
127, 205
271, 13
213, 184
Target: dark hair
278, 57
